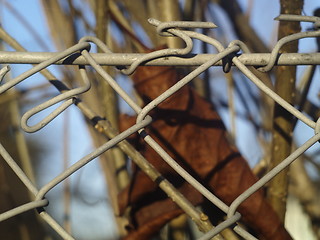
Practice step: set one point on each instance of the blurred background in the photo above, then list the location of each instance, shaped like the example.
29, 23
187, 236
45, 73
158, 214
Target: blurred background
84, 204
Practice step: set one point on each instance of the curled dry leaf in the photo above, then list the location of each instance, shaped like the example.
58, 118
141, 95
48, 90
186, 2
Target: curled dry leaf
191, 131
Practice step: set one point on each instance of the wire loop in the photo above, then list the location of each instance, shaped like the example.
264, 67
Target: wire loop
296, 36
66, 96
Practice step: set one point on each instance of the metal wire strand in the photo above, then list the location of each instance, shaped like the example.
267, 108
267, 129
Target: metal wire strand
43, 65
3, 72
164, 52
49, 103
23, 208
17, 170
290, 38
76, 166
272, 94
163, 28
112, 82
225, 224
298, 18
266, 178
66, 96
160, 150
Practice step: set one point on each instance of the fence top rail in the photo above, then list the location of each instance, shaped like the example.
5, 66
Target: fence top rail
126, 59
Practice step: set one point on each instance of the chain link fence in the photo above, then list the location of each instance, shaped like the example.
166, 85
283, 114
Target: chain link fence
236, 54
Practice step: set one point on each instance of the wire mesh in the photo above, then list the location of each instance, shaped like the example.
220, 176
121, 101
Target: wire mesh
80, 55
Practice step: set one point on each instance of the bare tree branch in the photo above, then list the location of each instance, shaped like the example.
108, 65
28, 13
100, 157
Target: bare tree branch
283, 120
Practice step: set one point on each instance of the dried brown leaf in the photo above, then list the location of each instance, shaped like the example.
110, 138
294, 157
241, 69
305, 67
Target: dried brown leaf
191, 131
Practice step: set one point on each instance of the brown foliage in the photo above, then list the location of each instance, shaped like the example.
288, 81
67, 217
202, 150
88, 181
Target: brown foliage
191, 131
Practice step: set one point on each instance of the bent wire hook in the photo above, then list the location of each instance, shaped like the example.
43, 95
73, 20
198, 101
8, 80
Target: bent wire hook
61, 97
290, 38
169, 29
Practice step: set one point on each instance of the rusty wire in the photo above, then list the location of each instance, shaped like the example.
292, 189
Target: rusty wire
80, 55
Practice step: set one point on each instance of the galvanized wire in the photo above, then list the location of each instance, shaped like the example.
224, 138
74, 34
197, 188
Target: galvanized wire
80, 55
126, 59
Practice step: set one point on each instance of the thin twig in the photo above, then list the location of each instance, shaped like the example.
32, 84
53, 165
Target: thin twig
24, 22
